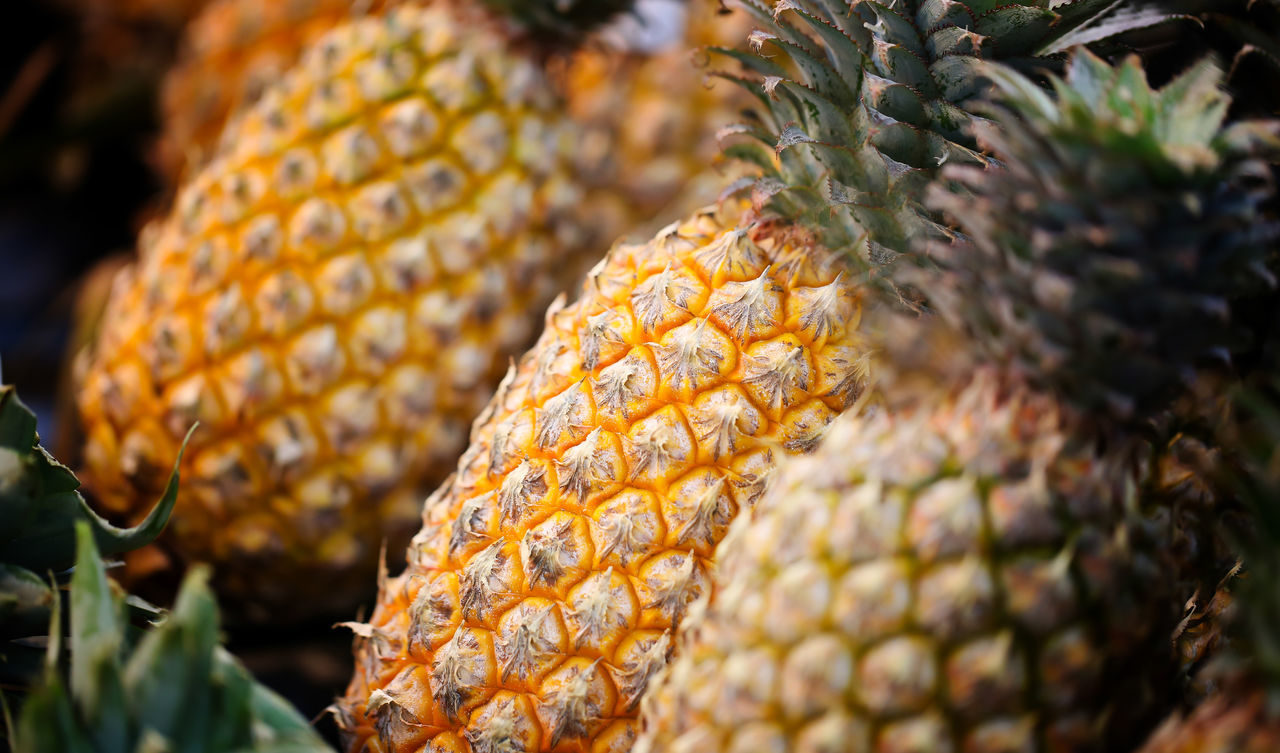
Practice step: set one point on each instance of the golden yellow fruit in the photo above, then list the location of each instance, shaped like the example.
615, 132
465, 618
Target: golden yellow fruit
652, 117
551, 568
231, 52
333, 298
958, 575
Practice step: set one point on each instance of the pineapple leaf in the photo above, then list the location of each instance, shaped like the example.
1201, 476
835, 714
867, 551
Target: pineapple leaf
1112, 253
44, 540
865, 93
1088, 21
97, 637
175, 690
1018, 27
842, 51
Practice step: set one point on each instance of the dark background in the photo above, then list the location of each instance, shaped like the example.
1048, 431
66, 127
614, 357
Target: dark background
74, 131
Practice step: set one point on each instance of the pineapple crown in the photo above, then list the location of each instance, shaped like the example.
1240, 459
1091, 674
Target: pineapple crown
168, 688
556, 24
862, 102
39, 509
1103, 257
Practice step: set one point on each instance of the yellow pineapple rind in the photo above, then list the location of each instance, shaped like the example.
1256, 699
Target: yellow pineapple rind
332, 299
551, 568
936, 578
651, 119
231, 52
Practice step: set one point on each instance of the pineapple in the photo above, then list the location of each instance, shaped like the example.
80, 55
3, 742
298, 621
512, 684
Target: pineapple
984, 561
649, 116
334, 296
231, 52
652, 115
580, 522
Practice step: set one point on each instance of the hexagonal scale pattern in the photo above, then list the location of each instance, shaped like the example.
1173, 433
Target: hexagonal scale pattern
231, 52
960, 575
581, 522
333, 298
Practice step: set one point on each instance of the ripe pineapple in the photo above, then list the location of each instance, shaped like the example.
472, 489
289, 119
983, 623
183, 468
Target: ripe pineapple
581, 521
982, 563
334, 296
652, 115
232, 52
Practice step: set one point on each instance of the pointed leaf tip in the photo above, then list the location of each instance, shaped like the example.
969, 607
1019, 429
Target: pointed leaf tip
114, 540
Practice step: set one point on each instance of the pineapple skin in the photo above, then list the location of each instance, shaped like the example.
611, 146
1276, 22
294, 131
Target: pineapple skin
958, 576
551, 568
651, 119
333, 299
231, 52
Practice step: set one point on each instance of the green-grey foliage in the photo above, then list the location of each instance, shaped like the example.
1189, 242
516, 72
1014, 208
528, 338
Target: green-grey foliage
171, 689
39, 507
861, 102
1104, 256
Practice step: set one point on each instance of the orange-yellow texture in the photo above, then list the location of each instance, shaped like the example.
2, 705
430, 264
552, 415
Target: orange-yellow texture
652, 119
541, 592
333, 299
230, 54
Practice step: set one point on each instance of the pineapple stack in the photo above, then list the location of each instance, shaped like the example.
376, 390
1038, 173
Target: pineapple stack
887, 449
543, 589
406, 310
333, 297
982, 563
